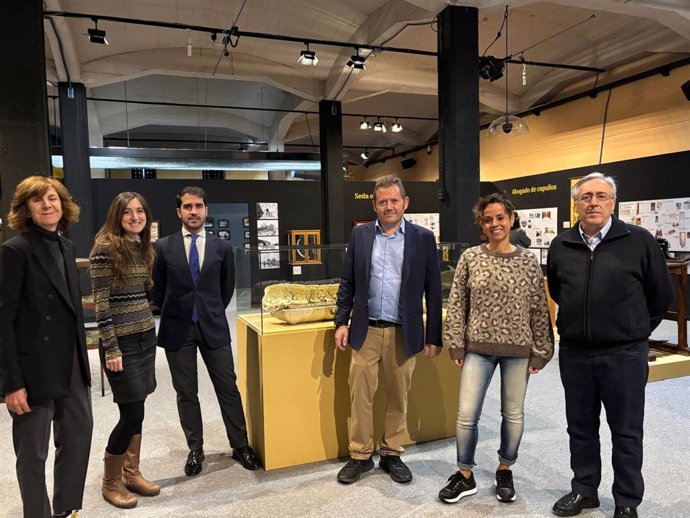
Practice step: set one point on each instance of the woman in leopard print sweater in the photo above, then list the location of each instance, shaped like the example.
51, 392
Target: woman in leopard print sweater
497, 316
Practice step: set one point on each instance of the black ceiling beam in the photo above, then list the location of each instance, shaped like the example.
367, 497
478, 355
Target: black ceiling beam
582, 68
249, 108
238, 33
232, 142
235, 31
663, 70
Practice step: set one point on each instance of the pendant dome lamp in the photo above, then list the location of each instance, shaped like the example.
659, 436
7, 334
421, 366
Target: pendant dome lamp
507, 125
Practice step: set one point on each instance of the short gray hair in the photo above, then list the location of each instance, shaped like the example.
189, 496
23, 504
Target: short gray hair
608, 180
389, 181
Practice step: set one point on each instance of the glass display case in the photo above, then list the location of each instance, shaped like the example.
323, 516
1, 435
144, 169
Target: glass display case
313, 285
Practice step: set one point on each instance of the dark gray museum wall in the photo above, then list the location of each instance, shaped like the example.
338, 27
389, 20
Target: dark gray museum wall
358, 207
299, 206
655, 177
299, 202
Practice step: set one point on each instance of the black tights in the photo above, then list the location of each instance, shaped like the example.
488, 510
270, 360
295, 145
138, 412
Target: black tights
129, 425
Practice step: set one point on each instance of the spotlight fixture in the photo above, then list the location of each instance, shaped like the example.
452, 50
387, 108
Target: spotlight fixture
396, 127
491, 68
308, 57
356, 61
96, 35
365, 154
189, 43
364, 125
379, 126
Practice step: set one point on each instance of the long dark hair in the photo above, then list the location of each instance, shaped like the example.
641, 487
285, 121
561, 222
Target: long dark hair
112, 236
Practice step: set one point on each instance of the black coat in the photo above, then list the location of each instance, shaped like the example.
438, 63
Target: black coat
41, 319
613, 296
421, 278
174, 293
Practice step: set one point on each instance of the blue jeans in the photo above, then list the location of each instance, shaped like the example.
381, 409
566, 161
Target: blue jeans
475, 378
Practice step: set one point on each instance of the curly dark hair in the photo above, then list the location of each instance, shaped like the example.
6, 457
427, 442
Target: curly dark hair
484, 201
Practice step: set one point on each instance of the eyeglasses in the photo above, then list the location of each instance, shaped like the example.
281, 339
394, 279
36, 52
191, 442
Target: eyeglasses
600, 196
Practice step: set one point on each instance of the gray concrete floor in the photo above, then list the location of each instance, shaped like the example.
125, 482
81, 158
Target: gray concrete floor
224, 489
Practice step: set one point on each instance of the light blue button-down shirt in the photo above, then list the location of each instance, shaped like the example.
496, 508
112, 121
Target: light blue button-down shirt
386, 274
594, 241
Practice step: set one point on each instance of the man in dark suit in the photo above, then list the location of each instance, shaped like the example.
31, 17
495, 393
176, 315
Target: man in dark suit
194, 279
44, 367
391, 264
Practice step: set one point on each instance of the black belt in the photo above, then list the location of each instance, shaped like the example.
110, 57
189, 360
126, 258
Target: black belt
383, 323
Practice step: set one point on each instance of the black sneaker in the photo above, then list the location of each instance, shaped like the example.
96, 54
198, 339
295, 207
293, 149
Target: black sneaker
457, 487
351, 471
505, 491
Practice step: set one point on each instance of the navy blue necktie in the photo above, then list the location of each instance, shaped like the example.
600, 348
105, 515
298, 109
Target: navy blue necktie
194, 271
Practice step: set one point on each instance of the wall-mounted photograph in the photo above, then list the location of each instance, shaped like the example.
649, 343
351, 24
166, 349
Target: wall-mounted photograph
210, 232
224, 234
268, 242
246, 234
245, 222
265, 210
209, 222
267, 228
223, 223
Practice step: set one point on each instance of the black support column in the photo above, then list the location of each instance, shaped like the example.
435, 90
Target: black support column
332, 177
458, 109
24, 148
75, 153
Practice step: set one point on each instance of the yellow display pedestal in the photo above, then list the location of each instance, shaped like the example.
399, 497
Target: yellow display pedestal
296, 395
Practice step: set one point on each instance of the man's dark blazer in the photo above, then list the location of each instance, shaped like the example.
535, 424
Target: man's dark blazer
174, 293
421, 277
41, 319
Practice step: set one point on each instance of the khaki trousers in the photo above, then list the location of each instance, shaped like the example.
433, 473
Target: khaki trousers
382, 346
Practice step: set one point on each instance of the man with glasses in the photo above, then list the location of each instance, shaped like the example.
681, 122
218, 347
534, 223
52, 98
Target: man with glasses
612, 288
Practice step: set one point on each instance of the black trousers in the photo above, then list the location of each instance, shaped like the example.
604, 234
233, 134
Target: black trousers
72, 437
617, 380
221, 370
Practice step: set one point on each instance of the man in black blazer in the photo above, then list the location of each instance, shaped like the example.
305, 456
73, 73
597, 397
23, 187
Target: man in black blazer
44, 367
194, 279
390, 266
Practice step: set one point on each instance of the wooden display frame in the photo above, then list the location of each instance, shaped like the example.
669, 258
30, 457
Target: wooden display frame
299, 238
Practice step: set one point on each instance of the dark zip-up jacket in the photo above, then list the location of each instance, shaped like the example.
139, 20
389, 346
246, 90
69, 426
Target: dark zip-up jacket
611, 297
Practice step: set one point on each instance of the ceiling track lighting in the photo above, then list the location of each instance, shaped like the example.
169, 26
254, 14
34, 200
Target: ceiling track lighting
356, 62
396, 127
232, 36
308, 57
97, 35
365, 154
508, 125
379, 126
364, 125
189, 43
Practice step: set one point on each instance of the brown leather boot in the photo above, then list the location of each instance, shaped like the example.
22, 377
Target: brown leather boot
131, 476
114, 491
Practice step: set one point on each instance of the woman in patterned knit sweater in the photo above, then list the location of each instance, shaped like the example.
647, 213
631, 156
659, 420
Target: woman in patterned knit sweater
121, 262
497, 316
